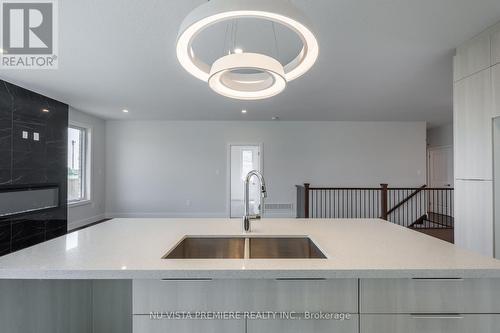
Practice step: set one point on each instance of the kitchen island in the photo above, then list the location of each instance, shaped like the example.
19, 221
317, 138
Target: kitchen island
376, 277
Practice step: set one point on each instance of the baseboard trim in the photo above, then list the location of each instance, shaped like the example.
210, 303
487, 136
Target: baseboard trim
81, 223
222, 215
165, 215
279, 215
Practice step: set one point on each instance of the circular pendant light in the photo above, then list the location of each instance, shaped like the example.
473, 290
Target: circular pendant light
246, 75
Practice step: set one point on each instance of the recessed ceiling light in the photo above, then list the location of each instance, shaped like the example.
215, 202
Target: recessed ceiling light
125, 111
243, 111
238, 50
45, 110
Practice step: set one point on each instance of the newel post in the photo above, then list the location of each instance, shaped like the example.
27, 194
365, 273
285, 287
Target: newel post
383, 201
306, 200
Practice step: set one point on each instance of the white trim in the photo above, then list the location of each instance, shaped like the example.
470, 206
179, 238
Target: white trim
78, 203
439, 147
228, 169
89, 167
428, 160
81, 223
166, 215
280, 215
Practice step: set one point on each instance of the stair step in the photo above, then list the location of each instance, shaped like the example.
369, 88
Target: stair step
431, 224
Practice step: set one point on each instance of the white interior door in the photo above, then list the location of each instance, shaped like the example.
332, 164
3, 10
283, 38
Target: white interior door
243, 159
440, 160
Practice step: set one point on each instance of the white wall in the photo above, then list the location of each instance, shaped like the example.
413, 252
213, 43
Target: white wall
161, 168
94, 210
440, 136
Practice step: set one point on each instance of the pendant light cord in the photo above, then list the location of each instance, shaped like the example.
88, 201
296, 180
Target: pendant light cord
276, 42
231, 31
235, 33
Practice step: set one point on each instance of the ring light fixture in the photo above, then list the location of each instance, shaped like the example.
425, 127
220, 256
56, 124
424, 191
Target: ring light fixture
247, 76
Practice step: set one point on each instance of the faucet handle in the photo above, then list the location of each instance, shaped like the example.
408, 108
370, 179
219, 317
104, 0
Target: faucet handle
246, 224
263, 191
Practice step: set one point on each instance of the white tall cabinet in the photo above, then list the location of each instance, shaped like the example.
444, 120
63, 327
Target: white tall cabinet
495, 45
474, 222
495, 74
476, 97
472, 123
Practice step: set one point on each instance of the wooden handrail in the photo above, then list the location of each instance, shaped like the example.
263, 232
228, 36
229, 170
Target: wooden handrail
373, 188
378, 200
406, 199
342, 188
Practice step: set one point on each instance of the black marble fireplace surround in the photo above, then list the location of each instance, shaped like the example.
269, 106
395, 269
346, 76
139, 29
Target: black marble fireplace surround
27, 163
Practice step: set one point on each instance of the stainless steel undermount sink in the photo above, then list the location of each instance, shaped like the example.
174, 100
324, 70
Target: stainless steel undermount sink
208, 248
284, 248
245, 247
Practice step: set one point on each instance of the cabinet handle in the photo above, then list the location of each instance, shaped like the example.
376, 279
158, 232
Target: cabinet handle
300, 279
451, 316
188, 279
439, 279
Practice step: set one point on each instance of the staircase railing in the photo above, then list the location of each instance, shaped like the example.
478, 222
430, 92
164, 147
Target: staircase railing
414, 207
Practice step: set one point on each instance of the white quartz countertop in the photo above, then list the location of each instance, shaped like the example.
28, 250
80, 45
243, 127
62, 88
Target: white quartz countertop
132, 249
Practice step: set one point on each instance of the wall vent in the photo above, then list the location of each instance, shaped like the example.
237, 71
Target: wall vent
278, 206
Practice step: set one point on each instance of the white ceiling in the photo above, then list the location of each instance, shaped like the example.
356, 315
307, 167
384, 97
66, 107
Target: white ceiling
379, 60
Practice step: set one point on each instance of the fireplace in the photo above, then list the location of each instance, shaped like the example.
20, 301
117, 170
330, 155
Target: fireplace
30, 214
24, 199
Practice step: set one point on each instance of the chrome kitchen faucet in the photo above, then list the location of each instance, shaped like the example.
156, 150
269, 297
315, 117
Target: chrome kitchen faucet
247, 217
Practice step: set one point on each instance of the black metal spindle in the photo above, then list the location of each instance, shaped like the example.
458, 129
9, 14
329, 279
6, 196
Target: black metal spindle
316, 204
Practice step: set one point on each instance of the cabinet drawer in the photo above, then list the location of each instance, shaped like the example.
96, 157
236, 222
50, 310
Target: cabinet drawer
429, 323
301, 326
336, 295
430, 296
143, 324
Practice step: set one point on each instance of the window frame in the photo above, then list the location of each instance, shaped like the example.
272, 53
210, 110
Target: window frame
85, 150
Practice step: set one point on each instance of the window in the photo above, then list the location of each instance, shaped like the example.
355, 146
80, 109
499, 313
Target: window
243, 159
78, 189
247, 164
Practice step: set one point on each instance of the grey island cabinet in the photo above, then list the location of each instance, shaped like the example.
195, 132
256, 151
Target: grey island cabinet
443, 305
373, 277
